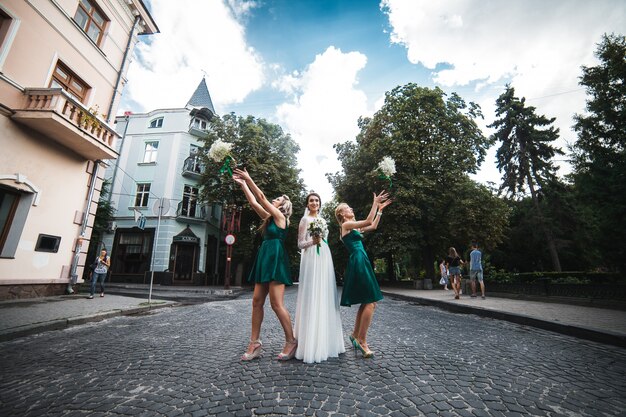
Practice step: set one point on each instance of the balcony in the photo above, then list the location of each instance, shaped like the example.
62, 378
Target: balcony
192, 211
192, 167
55, 114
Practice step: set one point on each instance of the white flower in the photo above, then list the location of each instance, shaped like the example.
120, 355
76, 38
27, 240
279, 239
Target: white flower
387, 166
220, 150
318, 227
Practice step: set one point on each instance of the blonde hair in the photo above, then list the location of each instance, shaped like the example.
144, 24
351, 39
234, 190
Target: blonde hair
452, 252
341, 207
286, 208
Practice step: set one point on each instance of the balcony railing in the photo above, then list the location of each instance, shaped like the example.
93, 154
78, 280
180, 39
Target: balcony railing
57, 115
192, 167
192, 211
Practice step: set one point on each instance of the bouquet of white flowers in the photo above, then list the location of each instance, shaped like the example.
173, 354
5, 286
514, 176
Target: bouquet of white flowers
318, 228
386, 168
220, 151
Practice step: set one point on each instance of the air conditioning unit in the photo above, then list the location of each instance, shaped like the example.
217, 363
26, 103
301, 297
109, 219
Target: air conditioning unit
111, 226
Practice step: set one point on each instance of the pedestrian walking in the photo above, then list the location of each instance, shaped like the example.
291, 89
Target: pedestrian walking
101, 268
270, 271
318, 322
476, 270
360, 285
443, 270
453, 263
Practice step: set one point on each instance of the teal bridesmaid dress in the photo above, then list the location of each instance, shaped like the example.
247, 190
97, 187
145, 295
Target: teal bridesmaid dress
359, 282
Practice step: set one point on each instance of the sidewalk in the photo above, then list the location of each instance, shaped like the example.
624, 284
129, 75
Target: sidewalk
592, 323
35, 315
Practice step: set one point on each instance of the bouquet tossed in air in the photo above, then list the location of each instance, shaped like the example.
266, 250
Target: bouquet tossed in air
318, 228
386, 168
220, 151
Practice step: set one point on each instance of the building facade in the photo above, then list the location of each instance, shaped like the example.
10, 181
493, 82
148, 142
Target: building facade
62, 69
160, 223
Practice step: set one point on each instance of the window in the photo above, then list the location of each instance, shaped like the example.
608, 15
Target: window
8, 204
143, 195
47, 243
132, 252
150, 153
8, 29
199, 123
91, 19
67, 80
156, 123
190, 201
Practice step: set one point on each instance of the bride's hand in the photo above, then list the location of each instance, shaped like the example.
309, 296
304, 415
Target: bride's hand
317, 239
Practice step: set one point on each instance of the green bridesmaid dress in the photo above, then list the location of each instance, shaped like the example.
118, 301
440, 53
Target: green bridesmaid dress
272, 262
359, 282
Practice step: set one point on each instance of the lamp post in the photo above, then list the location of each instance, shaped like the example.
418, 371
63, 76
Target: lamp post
231, 221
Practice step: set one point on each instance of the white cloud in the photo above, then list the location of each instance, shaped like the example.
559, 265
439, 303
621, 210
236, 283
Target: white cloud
197, 37
324, 110
538, 46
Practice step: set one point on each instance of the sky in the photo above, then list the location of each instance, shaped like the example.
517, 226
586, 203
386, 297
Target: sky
315, 66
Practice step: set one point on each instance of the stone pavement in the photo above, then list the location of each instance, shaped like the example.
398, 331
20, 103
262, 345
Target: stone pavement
592, 323
429, 361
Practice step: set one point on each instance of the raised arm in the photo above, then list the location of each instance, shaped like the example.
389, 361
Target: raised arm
361, 224
377, 217
267, 206
250, 197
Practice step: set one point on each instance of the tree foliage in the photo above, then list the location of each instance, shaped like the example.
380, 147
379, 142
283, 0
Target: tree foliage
269, 155
435, 142
600, 152
104, 215
525, 156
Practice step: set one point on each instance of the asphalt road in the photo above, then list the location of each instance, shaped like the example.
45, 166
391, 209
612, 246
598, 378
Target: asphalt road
185, 361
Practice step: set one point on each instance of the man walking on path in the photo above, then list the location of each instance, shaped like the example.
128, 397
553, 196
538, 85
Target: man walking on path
476, 270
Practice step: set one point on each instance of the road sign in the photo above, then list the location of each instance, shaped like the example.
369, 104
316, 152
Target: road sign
142, 222
229, 239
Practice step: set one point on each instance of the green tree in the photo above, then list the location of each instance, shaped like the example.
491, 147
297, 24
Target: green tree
525, 155
104, 216
270, 156
435, 142
600, 151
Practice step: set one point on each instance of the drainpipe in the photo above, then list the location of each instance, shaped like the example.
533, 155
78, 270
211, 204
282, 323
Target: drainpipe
119, 74
83, 228
117, 160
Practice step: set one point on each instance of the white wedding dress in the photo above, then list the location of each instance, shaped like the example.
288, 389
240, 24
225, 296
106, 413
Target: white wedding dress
317, 321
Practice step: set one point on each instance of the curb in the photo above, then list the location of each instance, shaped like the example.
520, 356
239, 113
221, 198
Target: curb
580, 332
60, 324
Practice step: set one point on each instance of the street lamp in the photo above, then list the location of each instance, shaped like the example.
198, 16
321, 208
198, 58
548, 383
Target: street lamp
231, 222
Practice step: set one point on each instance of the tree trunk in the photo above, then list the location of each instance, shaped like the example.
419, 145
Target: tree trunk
428, 260
391, 270
556, 263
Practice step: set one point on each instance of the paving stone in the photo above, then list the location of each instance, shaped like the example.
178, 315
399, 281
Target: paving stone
185, 361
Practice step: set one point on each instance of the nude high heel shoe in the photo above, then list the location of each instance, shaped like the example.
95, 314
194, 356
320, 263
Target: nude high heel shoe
289, 355
255, 353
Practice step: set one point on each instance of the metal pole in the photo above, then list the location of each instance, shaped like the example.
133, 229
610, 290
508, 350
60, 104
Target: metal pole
156, 240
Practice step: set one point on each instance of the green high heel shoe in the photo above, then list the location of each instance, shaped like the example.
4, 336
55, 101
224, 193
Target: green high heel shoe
366, 353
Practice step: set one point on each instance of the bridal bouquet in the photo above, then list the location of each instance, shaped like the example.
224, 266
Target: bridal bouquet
318, 228
220, 151
386, 168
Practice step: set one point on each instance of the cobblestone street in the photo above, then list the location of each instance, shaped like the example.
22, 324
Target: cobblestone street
185, 361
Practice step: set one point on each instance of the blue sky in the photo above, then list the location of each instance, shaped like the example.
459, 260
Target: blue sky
314, 67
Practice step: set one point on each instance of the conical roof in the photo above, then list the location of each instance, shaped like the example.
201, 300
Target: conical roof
201, 97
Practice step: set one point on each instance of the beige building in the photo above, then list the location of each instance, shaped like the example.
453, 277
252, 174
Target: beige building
62, 71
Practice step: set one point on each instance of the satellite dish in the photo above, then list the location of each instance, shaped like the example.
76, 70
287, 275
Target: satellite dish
163, 204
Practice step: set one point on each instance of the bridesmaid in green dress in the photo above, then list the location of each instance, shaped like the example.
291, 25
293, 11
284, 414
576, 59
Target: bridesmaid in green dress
270, 272
360, 285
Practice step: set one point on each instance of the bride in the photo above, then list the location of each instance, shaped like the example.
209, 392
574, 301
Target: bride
317, 322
